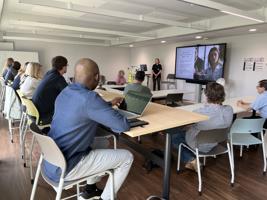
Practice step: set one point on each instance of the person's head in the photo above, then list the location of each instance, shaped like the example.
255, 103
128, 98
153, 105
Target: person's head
60, 63
87, 73
23, 68
157, 61
215, 93
196, 53
140, 76
214, 56
34, 70
262, 86
16, 65
10, 62
121, 73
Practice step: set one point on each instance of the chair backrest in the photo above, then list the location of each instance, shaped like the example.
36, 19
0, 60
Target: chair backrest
31, 109
49, 148
171, 76
111, 83
175, 97
212, 136
247, 126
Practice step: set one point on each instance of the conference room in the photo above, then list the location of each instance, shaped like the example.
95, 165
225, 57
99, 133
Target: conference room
130, 99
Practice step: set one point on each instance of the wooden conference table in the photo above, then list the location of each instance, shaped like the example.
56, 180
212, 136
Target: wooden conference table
160, 118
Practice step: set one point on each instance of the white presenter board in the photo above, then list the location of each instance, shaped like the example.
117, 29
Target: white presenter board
20, 56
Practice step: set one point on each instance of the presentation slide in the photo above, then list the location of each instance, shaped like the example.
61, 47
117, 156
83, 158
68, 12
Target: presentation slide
203, 62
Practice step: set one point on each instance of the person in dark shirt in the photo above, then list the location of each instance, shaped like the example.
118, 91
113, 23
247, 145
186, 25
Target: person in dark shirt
156, 71
49, 88
20, 77
79, 111
12, 72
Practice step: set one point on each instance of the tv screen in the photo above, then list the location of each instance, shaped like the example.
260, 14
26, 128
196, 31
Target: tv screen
200, 63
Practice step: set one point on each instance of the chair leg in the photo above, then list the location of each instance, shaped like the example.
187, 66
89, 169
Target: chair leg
112, 192
264, 153
231, 164
232, 152
198, 173
23, 146
10, 130
59, 189
204, 161
139, 139
31, 151
114, 141
241, 151
179, 157
23, 135
36, 178
78, 190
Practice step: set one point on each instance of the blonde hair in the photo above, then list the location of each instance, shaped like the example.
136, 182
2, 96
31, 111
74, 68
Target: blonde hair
22, 70
34, 70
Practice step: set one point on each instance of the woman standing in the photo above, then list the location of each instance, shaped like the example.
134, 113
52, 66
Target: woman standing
156, 71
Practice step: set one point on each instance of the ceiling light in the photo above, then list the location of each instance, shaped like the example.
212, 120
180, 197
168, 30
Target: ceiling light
198, 37
163, 41
252, 30
243, 16
131, 45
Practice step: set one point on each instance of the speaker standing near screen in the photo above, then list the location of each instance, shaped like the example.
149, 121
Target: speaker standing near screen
156, 70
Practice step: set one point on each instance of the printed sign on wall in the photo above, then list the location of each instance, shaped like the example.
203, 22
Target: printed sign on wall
254, 64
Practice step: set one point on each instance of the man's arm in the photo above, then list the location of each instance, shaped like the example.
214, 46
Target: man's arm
244, 105
102, 112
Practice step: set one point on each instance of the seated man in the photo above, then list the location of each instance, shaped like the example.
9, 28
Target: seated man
12, 72
137, 85
79, 111
220, 116
260, 103
49, 88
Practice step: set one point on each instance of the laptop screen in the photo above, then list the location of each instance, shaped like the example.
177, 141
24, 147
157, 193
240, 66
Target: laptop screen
136, 102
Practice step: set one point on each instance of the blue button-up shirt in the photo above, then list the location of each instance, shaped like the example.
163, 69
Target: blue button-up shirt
78, 112
260, 104
214, 74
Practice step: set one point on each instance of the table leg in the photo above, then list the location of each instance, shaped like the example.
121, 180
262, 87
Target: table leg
167, 167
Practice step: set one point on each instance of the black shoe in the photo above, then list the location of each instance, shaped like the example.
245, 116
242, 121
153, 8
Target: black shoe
91, 192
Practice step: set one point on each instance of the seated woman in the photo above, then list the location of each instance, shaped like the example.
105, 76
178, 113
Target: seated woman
121, 79
260, 104
20, 77
33, 73
220, 116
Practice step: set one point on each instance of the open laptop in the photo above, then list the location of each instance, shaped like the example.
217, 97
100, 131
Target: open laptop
135, 104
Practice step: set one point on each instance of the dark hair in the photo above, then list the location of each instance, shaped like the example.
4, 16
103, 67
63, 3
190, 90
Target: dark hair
215, 93
59, 62
10, 60
140, 76
16, 65
263, 83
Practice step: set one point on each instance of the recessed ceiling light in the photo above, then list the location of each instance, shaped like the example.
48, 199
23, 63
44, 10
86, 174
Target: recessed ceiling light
252, 30
163, 41
131, 45
198, 37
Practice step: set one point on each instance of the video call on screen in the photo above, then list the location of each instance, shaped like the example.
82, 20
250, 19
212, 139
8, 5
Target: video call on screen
200, 62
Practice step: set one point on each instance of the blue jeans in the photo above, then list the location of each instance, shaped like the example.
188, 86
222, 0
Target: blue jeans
177, 139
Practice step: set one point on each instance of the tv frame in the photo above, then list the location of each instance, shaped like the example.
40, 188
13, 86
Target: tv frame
202, 82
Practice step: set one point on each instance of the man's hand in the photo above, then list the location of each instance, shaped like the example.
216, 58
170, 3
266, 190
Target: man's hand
117, 101
240, 103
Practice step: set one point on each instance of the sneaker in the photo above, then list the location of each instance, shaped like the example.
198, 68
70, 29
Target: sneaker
91, 193
192, 165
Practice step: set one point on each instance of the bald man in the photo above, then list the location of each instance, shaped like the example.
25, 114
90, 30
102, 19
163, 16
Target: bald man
79, 110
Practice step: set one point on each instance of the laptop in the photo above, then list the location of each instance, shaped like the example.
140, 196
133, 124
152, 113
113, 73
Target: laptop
135, 104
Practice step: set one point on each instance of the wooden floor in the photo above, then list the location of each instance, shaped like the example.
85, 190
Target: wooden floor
250, 183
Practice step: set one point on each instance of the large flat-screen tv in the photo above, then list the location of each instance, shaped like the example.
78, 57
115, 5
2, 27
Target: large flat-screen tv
200, 63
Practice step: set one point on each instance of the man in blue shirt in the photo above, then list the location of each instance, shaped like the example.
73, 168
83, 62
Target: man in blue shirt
260, 104
12, 72
79, 111
49, 88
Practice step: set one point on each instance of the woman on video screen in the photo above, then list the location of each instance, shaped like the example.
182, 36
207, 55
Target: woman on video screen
215, 67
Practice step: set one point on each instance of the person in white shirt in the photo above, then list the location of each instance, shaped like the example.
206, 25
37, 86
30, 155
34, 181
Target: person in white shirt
34, 76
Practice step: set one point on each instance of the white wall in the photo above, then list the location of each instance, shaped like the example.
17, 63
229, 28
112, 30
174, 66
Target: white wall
109, 59
240, 82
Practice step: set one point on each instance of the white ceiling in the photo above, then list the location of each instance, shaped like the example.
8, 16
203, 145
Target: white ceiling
124, 22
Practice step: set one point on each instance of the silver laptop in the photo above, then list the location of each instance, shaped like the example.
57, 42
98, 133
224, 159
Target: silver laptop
136, 103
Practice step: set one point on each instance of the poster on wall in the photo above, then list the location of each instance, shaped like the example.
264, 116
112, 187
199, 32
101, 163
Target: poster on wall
254, 64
